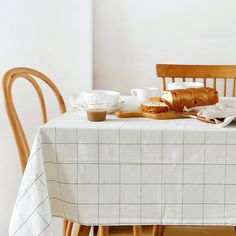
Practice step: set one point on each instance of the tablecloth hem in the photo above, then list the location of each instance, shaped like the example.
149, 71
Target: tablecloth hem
127, 222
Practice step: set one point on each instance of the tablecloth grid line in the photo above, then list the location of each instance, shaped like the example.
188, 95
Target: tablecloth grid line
26, 191
47, 223
98, 179
226, 157
162, 180
35, 152
34, 181
119, 179
141, 189
178, 180
22, 223
204, 160
182, 206
137, 164
48, 226
77, 171
144, 203
37, 175
144, 144
179, 183
29, 216
29, 163
58, 174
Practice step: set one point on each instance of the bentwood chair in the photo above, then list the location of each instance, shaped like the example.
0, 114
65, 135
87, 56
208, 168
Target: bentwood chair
210, 75
20, 137
18, 132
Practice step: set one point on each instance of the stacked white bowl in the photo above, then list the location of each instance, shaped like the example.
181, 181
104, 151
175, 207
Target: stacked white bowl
111, 98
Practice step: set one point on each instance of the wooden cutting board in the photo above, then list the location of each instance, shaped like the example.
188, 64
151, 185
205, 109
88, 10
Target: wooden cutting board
158, 116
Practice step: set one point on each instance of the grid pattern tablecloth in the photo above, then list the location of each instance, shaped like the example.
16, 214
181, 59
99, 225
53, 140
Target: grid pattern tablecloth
131, 171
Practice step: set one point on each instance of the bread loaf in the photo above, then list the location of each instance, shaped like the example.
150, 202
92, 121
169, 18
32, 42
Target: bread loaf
157, 107
192, 97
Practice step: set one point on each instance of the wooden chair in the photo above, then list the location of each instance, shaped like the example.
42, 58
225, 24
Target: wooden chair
20, 137
208, 74
18, 132
104, 230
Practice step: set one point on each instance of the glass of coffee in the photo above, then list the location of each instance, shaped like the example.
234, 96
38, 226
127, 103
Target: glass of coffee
97, 112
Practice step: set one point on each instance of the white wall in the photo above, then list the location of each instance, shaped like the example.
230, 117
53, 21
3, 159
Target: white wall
131, 36
55, 38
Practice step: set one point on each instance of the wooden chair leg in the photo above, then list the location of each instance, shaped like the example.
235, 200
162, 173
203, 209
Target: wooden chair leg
158, 230
161, 230
155, 230
137, 229
103, 231
65, 223
69, 228
82, 230
235, 229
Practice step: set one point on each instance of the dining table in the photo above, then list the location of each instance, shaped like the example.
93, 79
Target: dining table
131, 171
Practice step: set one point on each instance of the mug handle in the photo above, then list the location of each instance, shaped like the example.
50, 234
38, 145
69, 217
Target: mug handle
134, 92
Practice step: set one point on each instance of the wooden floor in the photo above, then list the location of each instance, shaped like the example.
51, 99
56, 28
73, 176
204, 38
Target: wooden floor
177, 231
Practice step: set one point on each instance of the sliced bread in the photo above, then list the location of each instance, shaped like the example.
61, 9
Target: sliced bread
154, 107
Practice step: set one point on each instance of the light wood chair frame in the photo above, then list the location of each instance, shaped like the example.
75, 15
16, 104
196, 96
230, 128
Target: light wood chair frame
194, 73
20, 138
18, 132
199, 73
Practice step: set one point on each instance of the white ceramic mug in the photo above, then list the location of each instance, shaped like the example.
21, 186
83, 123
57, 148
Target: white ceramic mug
143, 94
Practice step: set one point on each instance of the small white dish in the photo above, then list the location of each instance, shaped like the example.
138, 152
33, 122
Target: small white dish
184, 85
110, 110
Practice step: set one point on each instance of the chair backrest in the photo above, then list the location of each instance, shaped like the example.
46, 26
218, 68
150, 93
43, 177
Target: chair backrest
205, 72
19, 134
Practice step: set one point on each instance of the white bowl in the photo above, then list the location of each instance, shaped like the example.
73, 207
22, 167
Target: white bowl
184, 85
111, 98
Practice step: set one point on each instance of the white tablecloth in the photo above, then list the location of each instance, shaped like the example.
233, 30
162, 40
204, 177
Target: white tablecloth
127, 171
